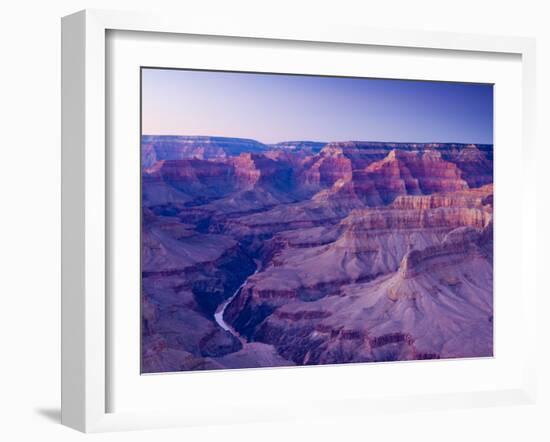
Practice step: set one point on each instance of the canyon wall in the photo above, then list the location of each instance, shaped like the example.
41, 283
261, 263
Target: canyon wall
314, 252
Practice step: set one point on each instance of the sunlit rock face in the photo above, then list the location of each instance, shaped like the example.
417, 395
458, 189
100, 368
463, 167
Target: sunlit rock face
306, 253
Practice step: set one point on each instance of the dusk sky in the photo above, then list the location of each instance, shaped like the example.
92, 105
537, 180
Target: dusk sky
271, 108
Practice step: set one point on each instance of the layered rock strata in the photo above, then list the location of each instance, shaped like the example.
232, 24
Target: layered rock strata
317, 252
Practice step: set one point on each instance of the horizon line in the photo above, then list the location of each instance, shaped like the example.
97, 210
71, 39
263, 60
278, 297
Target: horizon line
317, 141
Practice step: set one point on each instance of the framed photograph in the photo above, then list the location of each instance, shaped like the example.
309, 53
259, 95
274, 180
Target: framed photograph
263, 222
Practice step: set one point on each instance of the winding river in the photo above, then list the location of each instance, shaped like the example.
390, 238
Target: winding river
218, 316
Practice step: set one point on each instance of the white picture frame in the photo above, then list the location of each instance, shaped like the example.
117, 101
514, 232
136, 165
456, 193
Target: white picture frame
85, 202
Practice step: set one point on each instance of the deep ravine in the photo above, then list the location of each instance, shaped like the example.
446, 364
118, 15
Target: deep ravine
218, 316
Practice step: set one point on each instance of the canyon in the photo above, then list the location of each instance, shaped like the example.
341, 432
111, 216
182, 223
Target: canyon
308, 253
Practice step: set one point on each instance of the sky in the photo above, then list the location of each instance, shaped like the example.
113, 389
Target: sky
271, 108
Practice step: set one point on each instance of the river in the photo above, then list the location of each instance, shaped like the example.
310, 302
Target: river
218, 316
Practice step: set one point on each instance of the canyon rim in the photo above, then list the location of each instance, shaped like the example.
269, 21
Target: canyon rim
265, 252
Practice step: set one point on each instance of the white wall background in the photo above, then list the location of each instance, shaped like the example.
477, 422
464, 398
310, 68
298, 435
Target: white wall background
30, 220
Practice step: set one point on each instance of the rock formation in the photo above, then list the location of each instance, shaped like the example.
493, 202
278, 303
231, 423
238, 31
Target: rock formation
318, 252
